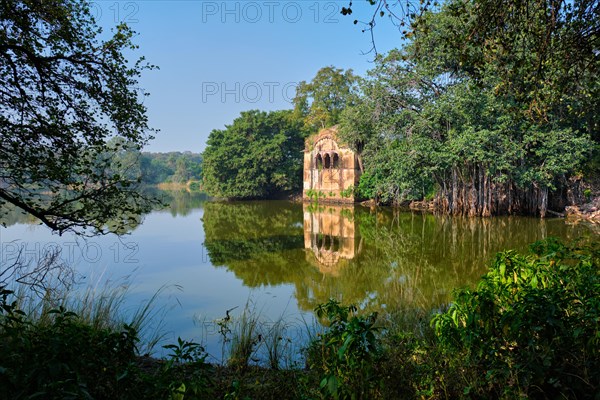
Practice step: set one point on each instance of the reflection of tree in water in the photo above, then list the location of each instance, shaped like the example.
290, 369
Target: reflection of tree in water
259, 241
177, 202
394, 260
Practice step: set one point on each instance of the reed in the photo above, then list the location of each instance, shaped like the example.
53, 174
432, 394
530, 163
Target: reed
101, 306
245, 339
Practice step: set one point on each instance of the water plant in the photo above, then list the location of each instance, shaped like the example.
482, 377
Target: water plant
244, 341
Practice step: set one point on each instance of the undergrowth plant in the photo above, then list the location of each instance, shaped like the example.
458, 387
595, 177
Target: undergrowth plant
531, 328
185, 374
244, 340
277, 344
55, 353
346, 353
62, 358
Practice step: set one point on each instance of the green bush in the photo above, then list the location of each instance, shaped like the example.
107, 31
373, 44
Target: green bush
64, 358
532, 326
366, 188
61, 355
346, 354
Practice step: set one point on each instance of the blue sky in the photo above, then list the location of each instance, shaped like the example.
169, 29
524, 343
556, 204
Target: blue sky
218, 58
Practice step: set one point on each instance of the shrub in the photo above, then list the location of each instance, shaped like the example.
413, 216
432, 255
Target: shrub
531, 327
64, 358
346, 353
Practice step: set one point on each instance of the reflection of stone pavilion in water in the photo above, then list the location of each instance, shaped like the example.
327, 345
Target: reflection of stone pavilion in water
330, 234
329, 168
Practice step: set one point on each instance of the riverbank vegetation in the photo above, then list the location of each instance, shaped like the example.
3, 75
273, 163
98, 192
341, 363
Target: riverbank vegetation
483, 121
175, 168
529, 329
261, 154
258, 156
172, 167
475, 120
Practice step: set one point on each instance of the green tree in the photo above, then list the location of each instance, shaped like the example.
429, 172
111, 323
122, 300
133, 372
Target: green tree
542, 56
64, 94
321, 101
153, 170
126, 158
182, 173
170, 167
435, 117
258, 156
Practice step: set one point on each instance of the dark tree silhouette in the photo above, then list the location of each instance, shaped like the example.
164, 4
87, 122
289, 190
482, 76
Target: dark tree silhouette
64, 94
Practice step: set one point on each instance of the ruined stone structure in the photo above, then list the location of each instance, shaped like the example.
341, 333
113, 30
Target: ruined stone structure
331, 170
331, 236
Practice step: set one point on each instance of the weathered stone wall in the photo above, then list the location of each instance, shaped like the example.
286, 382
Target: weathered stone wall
330, 169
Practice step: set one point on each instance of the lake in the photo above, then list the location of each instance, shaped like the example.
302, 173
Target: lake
282, 259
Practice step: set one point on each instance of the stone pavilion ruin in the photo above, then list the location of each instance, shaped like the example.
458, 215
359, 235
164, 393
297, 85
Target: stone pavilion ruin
331, 169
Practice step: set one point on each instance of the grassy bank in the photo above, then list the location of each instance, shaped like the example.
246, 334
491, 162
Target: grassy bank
531, 329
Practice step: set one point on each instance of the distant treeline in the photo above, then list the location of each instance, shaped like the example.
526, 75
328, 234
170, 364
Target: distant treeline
154, 168
174, 167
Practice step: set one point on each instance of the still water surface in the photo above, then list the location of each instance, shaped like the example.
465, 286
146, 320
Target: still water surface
285, 258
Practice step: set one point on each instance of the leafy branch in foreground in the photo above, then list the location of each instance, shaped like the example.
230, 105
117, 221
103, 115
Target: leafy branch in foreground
64, 94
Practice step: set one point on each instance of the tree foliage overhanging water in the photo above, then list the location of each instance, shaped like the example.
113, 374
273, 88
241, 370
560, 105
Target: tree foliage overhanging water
490, 108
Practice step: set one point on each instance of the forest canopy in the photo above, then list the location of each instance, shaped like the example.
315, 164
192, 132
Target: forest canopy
488, 108
150, 168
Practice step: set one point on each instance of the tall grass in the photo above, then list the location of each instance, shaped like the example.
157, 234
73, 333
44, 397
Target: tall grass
250, 338
99, 306
245, 338
277, 344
